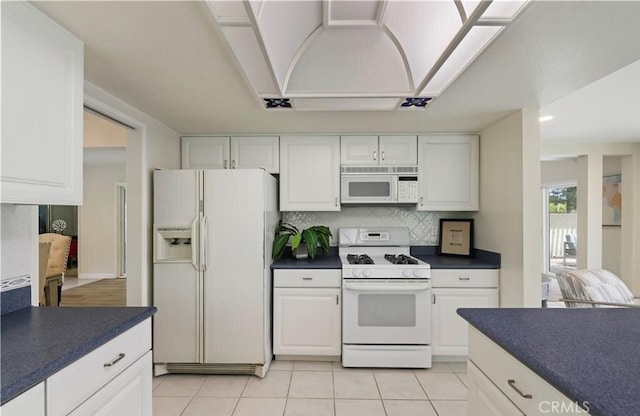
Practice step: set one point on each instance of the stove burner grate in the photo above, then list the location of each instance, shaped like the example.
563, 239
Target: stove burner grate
400, 259
359, 259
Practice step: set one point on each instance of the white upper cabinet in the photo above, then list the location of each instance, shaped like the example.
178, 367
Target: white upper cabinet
205, 152
42, 98
449, 171
214, 152
310, 173
374, 150
255, 152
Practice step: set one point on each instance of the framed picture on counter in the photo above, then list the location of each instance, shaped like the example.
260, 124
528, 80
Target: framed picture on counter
456, 237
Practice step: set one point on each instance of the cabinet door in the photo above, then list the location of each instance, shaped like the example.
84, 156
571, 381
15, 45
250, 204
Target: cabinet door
255, 152
306, 321
309, 173
449, 332
42, 98
205, 153
127, 394
31, 403
398, 150
359, 150
485, 398
449, 171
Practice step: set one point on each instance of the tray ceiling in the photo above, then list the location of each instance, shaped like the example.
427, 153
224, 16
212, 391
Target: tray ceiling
356, 55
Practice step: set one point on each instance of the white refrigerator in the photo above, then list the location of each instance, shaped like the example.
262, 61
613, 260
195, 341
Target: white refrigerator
213, 231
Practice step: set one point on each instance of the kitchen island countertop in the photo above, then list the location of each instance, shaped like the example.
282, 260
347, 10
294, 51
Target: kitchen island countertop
38, 342
589, 355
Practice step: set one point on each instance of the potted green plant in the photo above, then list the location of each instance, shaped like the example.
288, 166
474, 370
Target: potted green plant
312, 237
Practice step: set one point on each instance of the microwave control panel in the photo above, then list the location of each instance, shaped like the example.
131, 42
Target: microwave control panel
408, 189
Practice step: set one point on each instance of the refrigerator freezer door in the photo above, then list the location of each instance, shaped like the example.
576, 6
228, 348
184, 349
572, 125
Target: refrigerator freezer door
234, 285
177, 324
175, 197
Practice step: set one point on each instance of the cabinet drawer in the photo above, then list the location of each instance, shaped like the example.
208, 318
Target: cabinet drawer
465, 278
307, 278
74, 384
486, 355
30, 403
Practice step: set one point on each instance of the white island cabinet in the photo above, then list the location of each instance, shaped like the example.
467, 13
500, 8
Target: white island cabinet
307, 313
500, 385
31, 402
222, 152
309, 173
453, 289
449, 172
113, 380
42, 108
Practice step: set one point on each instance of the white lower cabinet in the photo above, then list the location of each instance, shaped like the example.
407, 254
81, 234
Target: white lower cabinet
485, 398
127, 394
31, 403
453, 289
307, 312
500, 385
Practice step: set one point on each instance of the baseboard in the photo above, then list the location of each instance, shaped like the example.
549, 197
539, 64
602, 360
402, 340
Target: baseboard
96, 276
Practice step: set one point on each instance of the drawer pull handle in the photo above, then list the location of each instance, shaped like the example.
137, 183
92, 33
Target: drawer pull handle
512, 383
307, 278
115, 360
464, 278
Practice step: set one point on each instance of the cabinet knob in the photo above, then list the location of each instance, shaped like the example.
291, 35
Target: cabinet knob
225, 164
464, 278
375, 155
336, 202
383, 155
307, 278
421, 201
233, 164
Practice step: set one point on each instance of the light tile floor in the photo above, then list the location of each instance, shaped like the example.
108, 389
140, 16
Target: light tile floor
316, 389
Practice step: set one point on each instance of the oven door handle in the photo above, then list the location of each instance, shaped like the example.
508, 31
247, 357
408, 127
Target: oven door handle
386, 287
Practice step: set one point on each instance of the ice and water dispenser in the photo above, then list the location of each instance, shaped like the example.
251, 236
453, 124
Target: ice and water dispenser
172, 244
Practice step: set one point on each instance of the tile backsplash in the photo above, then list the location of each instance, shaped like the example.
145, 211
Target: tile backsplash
423, 226
16, 246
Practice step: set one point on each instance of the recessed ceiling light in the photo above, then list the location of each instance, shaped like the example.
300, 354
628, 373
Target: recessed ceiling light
545, 118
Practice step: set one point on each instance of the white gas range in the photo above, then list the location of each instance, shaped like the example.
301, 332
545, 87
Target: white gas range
386, 316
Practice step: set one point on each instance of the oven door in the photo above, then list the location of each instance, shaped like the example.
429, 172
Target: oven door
392, 311
372, 189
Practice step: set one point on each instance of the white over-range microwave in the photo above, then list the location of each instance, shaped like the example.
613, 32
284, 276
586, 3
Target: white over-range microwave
379, 184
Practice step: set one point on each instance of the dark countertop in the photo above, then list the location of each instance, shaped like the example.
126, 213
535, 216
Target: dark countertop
38, 342
322, 261
481, 260
587, 354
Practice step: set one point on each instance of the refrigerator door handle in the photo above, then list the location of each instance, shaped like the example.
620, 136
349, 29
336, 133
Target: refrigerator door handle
203, 245
194, 247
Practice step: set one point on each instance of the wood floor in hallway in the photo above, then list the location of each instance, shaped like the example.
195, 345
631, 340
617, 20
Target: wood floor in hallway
105, 292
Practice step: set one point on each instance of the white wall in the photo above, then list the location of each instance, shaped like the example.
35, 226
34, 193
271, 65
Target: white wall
151, 144
100, 132
97, 241
554, 172
509, 219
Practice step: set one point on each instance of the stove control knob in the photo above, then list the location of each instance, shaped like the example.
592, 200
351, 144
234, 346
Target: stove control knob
356, 272
366, 273
418, 273
406, 273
